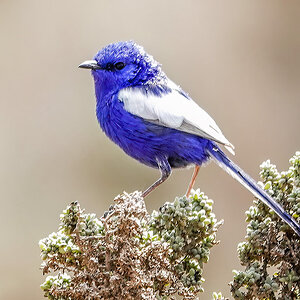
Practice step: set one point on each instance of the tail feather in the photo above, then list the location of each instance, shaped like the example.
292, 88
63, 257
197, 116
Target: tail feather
236, 172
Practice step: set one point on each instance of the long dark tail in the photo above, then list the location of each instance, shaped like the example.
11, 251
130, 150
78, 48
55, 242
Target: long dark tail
236, 172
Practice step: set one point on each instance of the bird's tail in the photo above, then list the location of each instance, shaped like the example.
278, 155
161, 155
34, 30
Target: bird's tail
236, 172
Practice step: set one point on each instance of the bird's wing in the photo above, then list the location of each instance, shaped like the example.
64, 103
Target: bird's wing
173, 109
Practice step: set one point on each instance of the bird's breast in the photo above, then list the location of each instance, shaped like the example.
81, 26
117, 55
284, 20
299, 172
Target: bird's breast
145, 141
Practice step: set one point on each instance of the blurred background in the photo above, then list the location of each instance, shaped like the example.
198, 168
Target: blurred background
239, 60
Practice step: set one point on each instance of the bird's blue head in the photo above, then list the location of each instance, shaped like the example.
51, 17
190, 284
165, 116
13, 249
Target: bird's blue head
123, 64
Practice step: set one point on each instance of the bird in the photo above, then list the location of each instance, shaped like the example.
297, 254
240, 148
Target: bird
156, 122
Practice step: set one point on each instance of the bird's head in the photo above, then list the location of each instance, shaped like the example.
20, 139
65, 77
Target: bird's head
123, 64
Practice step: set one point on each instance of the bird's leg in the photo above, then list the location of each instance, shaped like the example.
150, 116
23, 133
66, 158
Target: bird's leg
196, 171
165, 170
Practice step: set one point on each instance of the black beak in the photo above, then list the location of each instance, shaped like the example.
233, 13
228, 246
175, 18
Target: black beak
90, 64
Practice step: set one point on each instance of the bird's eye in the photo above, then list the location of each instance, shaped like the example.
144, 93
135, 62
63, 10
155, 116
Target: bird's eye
119, 65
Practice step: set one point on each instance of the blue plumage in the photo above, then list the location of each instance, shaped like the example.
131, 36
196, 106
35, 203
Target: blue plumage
154, 121
146, 141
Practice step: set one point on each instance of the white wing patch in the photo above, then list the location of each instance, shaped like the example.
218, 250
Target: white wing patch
173, 110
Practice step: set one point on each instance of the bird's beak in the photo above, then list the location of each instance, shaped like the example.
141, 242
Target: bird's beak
90, 64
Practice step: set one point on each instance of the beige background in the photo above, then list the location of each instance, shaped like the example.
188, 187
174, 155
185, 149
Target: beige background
240, 60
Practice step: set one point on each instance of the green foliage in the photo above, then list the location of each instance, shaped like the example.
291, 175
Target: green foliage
188, 226
218, 296
60, 282
271, 253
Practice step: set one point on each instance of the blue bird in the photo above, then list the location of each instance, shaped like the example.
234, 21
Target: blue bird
154, 121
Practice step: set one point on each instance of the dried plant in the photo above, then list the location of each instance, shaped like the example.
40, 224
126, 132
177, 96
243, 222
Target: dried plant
128, 254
